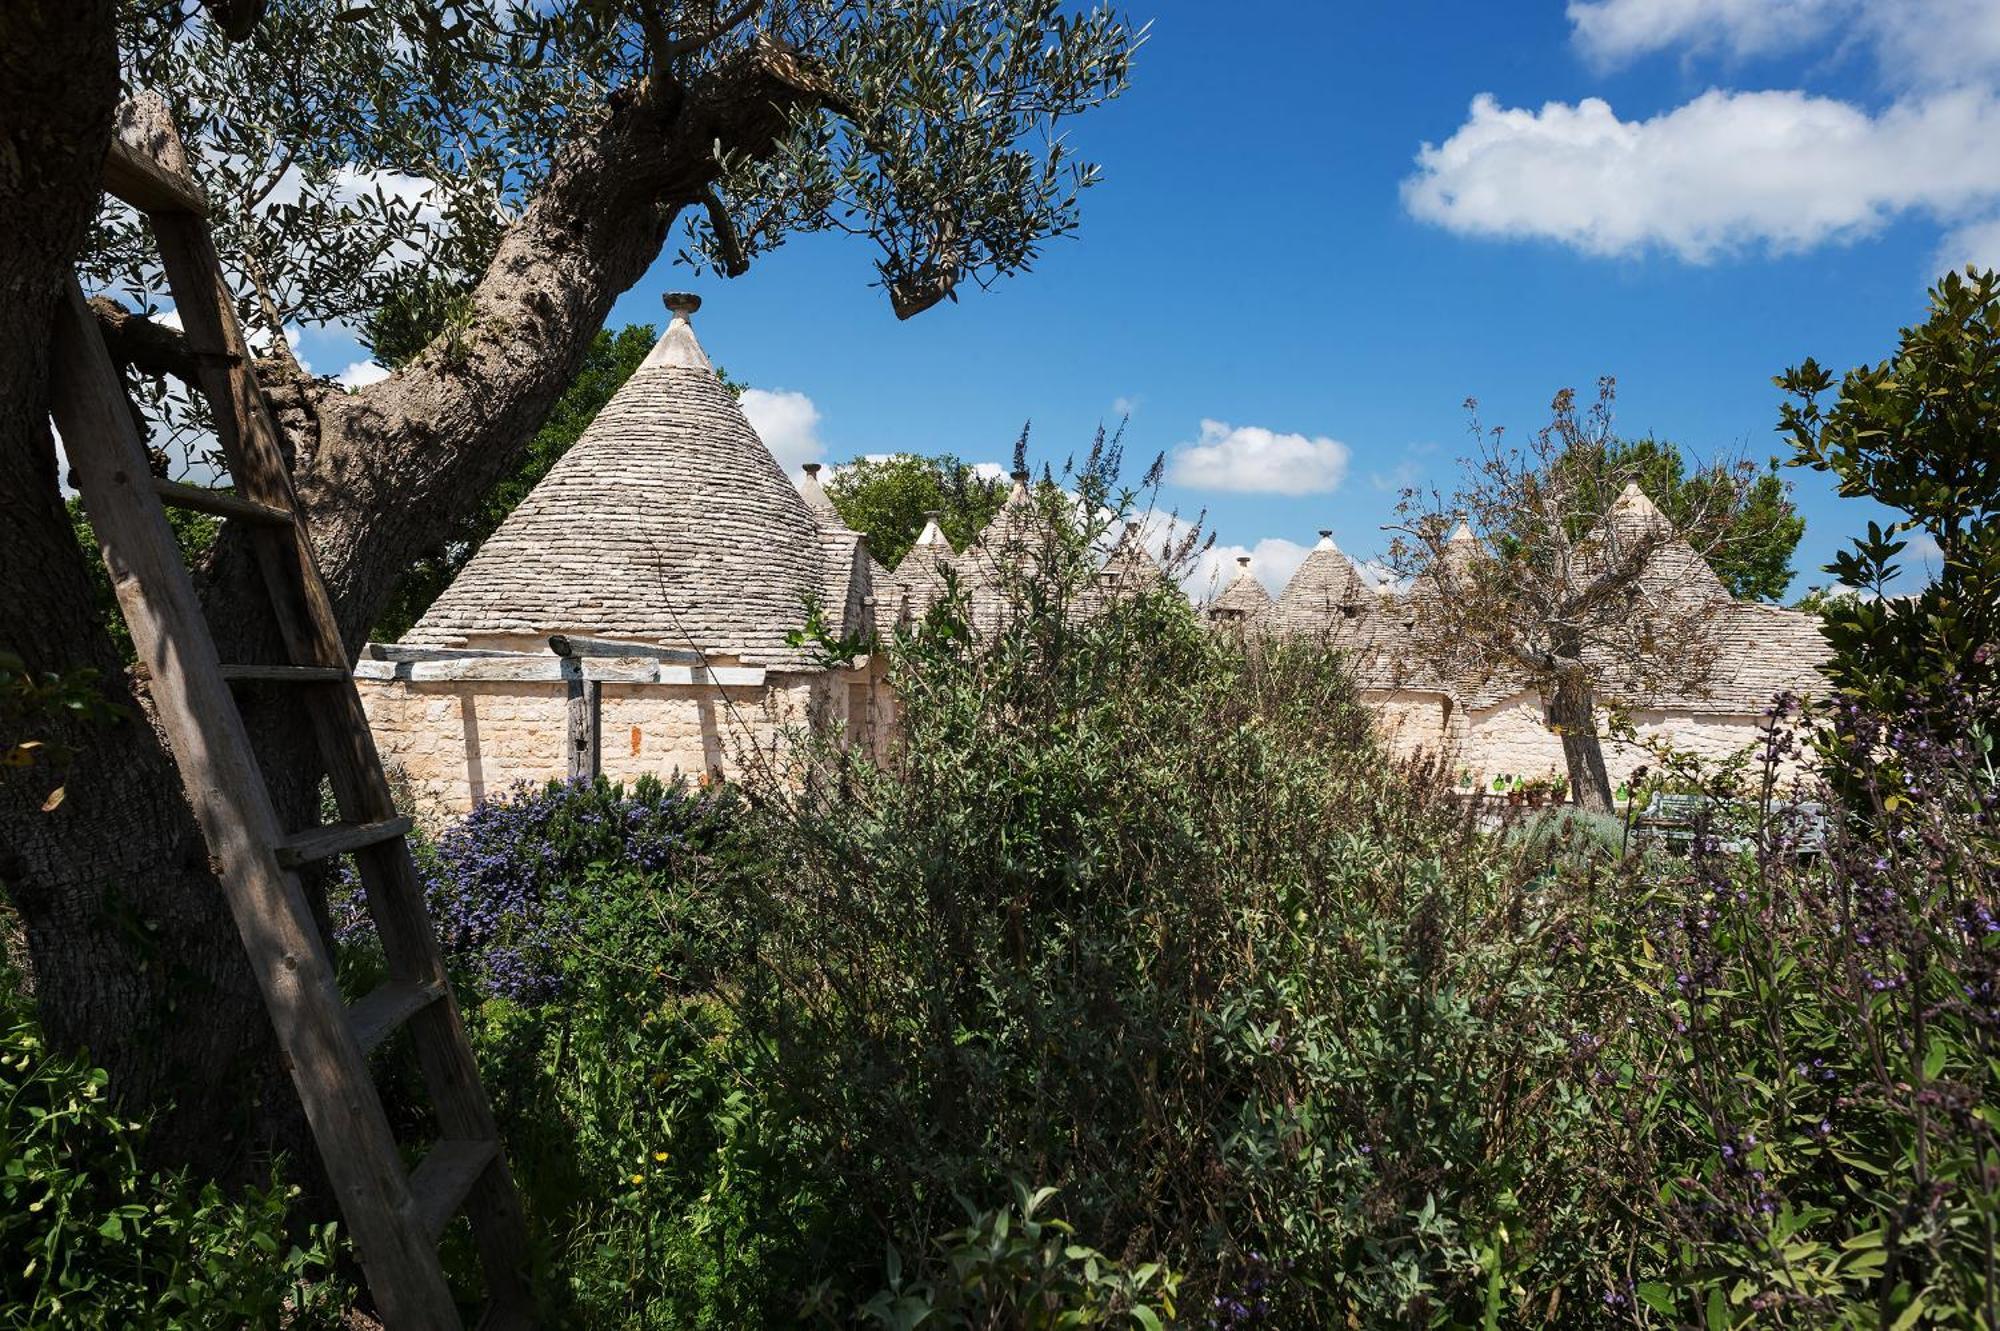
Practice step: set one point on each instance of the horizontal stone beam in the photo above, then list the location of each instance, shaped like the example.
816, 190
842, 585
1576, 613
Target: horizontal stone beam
525, 669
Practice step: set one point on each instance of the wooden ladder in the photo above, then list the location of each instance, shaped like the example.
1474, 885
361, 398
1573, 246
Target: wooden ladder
395, 1216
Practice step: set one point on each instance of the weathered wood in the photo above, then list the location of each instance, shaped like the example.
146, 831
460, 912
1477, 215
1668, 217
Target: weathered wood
321, 843
203, 728
218, 503
376, 1015
584, 717
570, 644
283, 674
396, 651
145, 165
439, 1185
306, 621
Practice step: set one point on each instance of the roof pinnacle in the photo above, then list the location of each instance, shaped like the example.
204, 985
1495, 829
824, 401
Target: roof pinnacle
677, 347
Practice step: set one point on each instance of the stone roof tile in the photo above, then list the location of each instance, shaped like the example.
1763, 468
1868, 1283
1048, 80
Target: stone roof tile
668, 521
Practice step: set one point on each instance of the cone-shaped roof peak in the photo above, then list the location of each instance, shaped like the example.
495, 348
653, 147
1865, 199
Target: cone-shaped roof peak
932, 534
668, 521
677, 347
817, 498
1245, 597
1325, 583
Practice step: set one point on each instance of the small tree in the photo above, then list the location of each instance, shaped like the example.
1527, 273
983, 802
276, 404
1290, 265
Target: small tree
1920, 433
888, 499
1551, 567
1755, 561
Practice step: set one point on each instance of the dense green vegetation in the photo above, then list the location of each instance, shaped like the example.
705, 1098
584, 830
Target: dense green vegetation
889, 498
89, 1238
1140, 931
1138, 986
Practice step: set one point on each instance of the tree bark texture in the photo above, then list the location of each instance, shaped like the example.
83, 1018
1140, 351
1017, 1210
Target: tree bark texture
1573, 712
133, 954
132, 951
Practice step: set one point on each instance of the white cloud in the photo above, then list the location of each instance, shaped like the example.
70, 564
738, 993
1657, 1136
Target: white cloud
1976, 243
1273, 560
1611, 32
1726, 172
1914, 42
1397, 479
1249, 458
361, 373
1123, 406
787, 422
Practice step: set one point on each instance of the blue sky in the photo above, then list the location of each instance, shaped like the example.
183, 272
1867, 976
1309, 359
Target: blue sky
1765, 180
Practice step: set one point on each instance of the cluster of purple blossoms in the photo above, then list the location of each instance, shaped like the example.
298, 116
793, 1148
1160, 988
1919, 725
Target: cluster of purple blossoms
499, 882
1249, 1304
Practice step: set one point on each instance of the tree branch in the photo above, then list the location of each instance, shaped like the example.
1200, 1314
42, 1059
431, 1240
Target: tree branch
697, 41
148, 347
734, 262
425, 442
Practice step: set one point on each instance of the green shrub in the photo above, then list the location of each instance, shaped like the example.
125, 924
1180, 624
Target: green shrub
1144, 914
89, 1238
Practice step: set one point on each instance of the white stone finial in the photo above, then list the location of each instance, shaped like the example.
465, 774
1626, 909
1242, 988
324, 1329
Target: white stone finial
932, 534
815, 494
677, 348
1326, 539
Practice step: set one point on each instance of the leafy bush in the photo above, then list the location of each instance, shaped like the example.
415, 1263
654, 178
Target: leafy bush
1143, 913
89, 1238
525, 887
1013, 1267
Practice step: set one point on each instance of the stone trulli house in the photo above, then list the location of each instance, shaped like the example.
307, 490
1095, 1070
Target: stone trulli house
635, 613
1487, 727
640, 612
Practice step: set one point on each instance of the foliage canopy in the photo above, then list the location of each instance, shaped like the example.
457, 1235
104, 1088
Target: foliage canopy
889, 499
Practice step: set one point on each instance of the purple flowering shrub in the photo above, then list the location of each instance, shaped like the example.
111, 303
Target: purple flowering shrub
519, 887
1812, 1072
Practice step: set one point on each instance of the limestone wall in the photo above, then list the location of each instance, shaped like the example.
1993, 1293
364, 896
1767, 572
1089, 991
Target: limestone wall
1410, 723
1512, 737
454, 744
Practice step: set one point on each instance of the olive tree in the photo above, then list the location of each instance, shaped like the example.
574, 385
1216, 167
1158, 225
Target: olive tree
524, 160
1550, 569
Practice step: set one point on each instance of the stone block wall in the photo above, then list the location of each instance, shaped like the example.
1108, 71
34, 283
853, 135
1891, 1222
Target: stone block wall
1513, 738
455, 744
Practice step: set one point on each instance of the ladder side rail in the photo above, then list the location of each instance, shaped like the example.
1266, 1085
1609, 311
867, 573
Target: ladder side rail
227, 792
304, 613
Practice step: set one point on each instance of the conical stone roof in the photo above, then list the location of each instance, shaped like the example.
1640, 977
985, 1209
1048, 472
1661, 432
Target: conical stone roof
667, 522
1244, 600
1673, 569
1324, 591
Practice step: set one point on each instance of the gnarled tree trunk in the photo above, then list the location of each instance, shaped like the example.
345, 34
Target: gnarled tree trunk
1573, 714
133, 953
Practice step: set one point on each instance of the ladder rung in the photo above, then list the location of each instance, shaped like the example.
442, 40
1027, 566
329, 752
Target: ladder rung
217, 502
387, 1006
286, 674
337, 839
439, 1185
